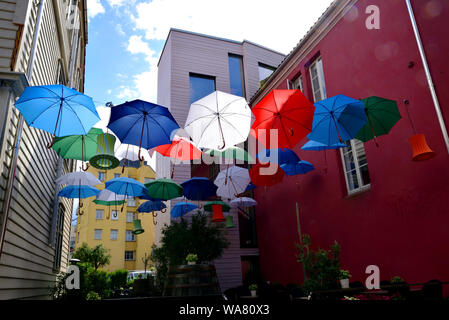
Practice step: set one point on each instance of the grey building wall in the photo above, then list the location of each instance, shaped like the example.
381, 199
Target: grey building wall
186, 53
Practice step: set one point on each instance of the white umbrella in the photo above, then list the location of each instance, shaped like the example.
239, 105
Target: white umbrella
78, 179
231, 182
219, 120
131, 153
108, 195
243, 202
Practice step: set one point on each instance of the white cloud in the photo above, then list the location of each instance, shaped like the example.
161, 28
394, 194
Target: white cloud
278, 25
94, 7
136, 45
117, 3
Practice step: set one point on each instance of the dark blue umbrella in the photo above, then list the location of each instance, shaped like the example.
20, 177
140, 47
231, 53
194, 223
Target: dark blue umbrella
143, 124
300, 167
337, 119
58, 110
199, 188
150, 206
251, 186
318, 146
182, 208
148, 197
283, 156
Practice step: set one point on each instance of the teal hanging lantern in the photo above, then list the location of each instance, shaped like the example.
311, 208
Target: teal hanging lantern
138, 227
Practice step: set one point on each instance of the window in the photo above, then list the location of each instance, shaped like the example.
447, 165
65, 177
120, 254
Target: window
129, 255
99, 215
129, 236
317, 77
129, 216
97, 234
116, 175
296, 84
59, 237
60, 77
114, 215
247, 228
146, 180
264, 72
200, 86
355, 166
236, 78
101, 176
114, 234
131, 202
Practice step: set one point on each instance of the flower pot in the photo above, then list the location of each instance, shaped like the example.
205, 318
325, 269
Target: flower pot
191, 262
253, 293
344, 283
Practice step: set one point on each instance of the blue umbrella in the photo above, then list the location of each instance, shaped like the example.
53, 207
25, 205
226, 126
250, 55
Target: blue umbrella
126, 186
337, 119
199, 188
318, 146
283, 156
148, 197
80, 192
182, 208
143, 124
150, 206
251, 186
58, 110
301, 167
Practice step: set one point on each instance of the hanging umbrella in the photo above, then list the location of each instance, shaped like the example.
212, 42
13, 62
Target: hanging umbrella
109, 199
150, 206
78, 179
382, 115
58, 110
243, 202
143, 124
219, 120
78, 192
208, 206
260, 178
279, 156
235, 153
126, 186
199, 188
148, 197
164, 189
287, 111
319, 146
182, 208
129, 152
250, 187
78, 147
337, 119
300, 167
232, 182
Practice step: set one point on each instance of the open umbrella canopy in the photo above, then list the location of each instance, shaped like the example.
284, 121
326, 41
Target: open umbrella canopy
267, 179
106, 195
164, 189
78, 179
337, 119
58, 110
80, 192
181, 149
319, 146
199, 188
208, 206
219, 120
287, 111
243, 202
279, 156
382, 115
126, 186
182, 208
143, 124
150, 206
130, 152
300, 167
235, 153
231, 182
250, 187
78, 147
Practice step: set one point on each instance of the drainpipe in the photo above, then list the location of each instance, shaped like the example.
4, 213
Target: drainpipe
13, 167
428, 75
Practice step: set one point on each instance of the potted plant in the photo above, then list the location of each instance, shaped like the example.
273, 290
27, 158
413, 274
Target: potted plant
253, 289
344, 278
191, 258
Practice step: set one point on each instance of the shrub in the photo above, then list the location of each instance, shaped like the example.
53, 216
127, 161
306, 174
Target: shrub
191, 257
92, 295
118, 278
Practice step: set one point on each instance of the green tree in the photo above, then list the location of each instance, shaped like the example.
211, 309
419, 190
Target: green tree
98, 257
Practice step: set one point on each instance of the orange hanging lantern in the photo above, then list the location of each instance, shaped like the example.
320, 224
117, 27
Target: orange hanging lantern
218, 216
421, 150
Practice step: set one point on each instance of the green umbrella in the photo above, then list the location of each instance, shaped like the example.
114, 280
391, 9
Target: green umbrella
78, 147
382, 114
164, 189
109, 203
231, 153
208, 206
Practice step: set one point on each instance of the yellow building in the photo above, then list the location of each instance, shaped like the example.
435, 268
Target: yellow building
112, 227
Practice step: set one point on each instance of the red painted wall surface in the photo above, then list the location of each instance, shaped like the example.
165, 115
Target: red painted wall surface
402, 223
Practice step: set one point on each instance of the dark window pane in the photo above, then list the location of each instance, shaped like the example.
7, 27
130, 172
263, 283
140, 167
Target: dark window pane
236, 75
200, 86
264, 72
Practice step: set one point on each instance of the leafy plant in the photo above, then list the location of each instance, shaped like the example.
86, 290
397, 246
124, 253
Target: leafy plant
118, 278
191, 257
98, 257
92, 295
322, 267
146, 262
397, 279
252, 287
344, 274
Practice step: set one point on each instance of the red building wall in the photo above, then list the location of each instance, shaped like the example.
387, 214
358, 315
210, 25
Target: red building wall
402, 223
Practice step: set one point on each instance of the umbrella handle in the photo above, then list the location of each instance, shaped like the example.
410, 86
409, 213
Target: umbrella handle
123, 206
154, 214
200, 206
154, 221
164, 210
172, 171
81, 204
123, 168
222, 135
87, 167
141, 158
51, 143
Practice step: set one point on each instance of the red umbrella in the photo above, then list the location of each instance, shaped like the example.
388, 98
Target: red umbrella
260, 178
289, 112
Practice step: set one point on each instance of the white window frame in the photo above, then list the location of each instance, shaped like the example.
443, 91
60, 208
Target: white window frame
130, 236
98, 234
117, 175
318, 66
96, 214
361, 187
128, 215
112, 215
114, 232
99, 175
291, 84
147, 180
131, 202
133, 258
